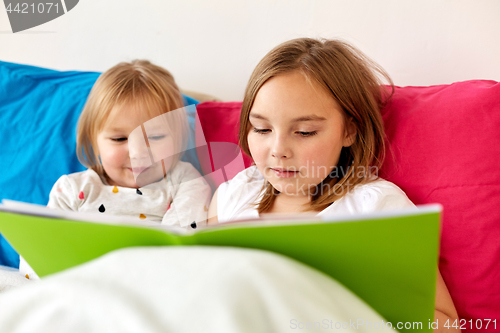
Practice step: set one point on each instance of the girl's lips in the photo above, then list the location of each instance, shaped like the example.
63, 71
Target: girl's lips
282, 173
138, 171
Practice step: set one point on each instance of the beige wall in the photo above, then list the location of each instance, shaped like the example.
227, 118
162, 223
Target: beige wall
212, 46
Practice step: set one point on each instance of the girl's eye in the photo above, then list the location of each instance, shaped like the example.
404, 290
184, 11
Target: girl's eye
306, 134
119, 139
261, 130
156, 137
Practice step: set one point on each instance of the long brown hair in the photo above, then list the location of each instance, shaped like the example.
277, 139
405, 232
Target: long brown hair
356, 83
139, 83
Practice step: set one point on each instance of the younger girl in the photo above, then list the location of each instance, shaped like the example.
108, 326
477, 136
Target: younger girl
131, 135
311, 122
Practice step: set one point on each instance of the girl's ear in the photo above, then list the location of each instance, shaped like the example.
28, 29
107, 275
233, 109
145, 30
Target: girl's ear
350, 133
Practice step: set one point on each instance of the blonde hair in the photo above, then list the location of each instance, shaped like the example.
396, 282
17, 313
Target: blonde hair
139, 83
355, 82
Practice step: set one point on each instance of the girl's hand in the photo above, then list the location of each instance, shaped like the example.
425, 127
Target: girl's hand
212, 210
445, 310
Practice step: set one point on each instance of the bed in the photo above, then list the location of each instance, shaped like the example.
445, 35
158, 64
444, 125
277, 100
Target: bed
442, 147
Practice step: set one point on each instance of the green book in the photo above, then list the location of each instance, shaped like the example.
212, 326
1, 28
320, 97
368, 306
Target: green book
388, 259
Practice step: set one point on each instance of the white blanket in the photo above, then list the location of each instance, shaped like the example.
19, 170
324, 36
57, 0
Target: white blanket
11, 278
185, 289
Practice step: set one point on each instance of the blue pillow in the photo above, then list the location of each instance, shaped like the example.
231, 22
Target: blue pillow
39, 109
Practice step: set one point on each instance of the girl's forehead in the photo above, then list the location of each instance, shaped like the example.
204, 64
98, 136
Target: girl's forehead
131, 113
294, 97
137, 108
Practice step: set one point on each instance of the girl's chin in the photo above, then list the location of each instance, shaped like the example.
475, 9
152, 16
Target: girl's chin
146, 179
288, 188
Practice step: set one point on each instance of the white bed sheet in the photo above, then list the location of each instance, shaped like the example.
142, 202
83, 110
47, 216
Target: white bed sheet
183, 289
11, 278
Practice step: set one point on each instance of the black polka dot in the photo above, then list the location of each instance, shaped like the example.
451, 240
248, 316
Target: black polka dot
193, 225
101, 208
138, 192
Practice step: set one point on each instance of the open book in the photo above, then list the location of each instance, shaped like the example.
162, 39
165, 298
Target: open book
387, 259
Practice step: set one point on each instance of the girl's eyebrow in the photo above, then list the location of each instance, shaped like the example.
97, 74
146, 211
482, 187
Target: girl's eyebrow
257, 116
114, 130
311, 117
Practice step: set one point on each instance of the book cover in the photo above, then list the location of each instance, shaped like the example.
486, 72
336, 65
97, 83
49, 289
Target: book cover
388, 259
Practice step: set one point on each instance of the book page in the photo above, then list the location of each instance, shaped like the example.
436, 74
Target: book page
39, 210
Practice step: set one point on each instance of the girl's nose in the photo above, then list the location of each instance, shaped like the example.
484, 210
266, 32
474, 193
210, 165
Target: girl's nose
281, 147
137, 146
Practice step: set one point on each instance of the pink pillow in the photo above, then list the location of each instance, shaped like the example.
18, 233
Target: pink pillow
443, 147
216, 138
